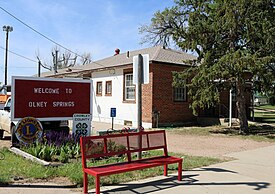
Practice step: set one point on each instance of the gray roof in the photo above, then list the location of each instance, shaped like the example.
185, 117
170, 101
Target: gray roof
156, 54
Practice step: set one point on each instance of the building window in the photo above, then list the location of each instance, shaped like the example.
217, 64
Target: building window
108, 88
180, 94
99, 88
129, 87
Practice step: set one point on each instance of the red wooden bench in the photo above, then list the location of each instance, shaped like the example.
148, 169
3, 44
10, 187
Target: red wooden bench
125, 144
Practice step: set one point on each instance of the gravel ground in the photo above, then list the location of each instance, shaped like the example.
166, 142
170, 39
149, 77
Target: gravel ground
212, 145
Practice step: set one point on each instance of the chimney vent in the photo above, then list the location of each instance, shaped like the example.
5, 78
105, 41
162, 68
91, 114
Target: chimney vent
117, 51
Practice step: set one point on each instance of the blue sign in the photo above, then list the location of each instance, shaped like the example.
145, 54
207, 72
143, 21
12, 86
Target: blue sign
28, 130
113, 112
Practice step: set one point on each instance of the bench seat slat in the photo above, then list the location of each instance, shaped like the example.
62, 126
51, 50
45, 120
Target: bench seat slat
133, 165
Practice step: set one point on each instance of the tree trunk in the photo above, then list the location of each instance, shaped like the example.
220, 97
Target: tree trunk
240, 96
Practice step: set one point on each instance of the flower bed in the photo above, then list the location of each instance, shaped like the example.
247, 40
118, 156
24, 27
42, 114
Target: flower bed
55, 147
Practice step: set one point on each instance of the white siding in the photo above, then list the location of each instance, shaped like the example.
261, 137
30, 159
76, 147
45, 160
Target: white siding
103, 104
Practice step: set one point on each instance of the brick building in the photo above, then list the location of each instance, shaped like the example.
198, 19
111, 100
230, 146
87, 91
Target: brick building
113, 88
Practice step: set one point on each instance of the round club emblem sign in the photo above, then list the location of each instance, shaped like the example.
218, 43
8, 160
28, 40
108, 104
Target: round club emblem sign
28, 130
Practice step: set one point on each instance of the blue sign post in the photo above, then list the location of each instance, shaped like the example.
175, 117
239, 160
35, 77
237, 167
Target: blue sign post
113, 114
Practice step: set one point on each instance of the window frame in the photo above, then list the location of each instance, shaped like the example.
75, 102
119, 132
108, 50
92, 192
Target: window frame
106, 88
177, 93
99, 93
125, 73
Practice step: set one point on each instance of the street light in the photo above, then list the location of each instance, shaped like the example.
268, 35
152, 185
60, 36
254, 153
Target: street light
7, 29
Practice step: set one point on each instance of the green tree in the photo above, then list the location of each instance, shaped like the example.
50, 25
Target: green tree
232, 39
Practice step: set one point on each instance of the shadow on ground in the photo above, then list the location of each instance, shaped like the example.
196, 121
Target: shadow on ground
188, 180
260, 130
37, 186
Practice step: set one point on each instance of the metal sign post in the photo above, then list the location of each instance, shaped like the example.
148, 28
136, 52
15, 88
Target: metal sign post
140, 76
139, 109
140, 81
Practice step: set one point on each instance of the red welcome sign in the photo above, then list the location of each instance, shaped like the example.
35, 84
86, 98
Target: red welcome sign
50, 98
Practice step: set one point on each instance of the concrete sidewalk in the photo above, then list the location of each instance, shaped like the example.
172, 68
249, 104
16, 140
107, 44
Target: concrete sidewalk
252, 172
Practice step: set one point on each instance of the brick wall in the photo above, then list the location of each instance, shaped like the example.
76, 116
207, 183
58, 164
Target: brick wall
147, 96
162, 96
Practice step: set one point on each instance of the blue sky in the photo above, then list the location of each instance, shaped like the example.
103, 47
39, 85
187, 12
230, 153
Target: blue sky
94, 26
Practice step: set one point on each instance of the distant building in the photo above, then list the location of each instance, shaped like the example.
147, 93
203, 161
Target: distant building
260, 99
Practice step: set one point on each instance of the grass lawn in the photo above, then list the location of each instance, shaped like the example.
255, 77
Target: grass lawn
257, 133
15, 166
194, 130
265, 114
265, 117
266, 106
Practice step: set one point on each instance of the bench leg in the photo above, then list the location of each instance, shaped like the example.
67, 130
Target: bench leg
180, 171
85, 183
165, 169
97, 184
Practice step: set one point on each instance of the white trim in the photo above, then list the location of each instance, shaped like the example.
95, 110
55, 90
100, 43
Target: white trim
48, 79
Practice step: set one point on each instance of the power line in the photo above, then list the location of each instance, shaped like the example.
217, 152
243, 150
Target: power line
22, 67
19, 55
51, 40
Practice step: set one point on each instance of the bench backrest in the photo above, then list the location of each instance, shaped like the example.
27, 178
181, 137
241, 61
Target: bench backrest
122, 144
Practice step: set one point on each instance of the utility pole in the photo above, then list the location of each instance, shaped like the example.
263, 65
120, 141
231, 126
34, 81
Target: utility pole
7, 29
39, 67
139, 94
56, 60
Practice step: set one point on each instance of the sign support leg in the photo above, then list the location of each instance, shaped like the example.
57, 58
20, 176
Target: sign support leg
112, 123
139, 109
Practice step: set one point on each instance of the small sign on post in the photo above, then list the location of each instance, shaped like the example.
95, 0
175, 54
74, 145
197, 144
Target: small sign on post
82, 124
113, 114
145, 72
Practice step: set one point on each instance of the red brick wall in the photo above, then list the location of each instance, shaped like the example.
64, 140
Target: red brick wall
147, 96
162, 98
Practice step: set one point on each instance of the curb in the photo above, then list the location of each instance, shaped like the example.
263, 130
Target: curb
32, 158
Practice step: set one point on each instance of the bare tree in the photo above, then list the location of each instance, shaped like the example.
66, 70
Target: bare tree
86, 58
64, 59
